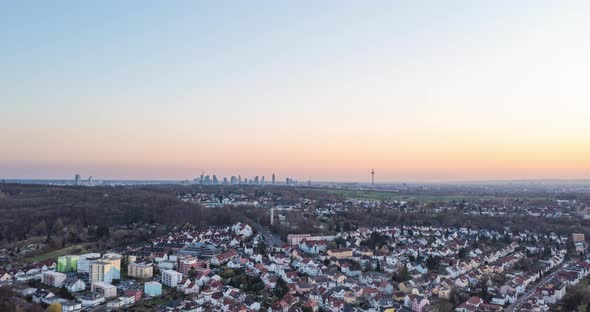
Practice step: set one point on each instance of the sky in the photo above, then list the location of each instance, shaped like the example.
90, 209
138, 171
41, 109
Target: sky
321, 90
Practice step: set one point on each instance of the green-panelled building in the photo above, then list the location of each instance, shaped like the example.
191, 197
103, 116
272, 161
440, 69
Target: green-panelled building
67, 263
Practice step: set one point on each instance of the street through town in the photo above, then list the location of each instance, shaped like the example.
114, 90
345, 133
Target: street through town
516, 304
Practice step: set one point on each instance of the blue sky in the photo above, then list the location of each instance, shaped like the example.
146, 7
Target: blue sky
138, 89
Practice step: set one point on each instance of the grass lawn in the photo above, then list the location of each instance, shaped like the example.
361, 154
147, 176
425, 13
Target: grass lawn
74, 249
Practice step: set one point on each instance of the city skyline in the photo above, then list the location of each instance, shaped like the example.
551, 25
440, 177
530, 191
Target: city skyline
425, 91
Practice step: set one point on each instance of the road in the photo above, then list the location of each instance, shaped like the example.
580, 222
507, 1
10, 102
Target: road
270, 237
516, 304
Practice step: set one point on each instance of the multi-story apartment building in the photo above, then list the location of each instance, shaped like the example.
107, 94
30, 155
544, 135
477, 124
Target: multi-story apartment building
84, 262
171, 278
140, 270
101, 271
152, 289
53, 279
67, 263
107, 290
295, 239
115, 260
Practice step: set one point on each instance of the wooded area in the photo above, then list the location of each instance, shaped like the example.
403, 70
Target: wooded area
35, 210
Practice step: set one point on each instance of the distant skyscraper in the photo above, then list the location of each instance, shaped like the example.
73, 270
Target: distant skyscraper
77, 180
273, 179
373, 176
239, 179
256, 181
262, 180
215, 181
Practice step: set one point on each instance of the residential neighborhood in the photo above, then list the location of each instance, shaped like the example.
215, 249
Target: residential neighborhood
233, 268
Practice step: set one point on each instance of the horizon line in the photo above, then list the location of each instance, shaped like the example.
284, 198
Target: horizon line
521, 180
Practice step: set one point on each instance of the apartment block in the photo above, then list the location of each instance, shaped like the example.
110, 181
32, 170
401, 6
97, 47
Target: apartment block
53, 279
171, 278
140, 270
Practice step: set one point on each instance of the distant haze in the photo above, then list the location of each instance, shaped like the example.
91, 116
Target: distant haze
418, 90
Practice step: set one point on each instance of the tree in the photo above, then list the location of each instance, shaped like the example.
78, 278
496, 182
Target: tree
58, 226
376, 240
575, 297
346, 227
281, 288
125, 262
8, 304
401, 275
547, 253
444, 306
506, 238
103, 232
522, 264
40, 228
462, 253
455, 297
63, 292
432, 263
484, 294
262, 247
54, 307
192, 273
254, 284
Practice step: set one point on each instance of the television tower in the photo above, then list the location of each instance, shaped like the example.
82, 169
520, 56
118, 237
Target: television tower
373, 176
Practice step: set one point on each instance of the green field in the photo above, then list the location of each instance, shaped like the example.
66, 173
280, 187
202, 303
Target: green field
390, 195
74, 249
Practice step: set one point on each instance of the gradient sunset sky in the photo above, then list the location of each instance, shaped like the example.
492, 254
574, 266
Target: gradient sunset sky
320, 90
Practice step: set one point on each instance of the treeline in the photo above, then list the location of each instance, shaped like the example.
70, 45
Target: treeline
70, 214
35, 210
9, 302
67, 214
